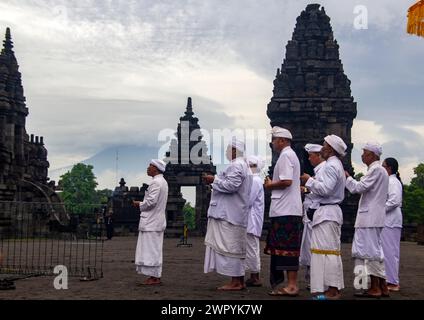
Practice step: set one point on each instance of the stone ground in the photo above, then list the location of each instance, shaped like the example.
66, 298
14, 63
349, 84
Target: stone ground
184, 279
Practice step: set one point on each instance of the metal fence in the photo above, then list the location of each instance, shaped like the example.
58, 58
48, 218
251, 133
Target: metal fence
37, 237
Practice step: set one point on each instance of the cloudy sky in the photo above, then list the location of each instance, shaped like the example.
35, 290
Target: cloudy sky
103, 73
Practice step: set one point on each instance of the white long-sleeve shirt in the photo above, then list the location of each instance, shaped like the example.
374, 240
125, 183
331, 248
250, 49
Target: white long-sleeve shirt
329, 187
373, 187
394, 203
312, 200
153, 208
255, 221
231, 194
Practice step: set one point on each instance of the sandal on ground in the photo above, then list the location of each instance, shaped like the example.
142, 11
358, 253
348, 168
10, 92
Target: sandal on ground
322, 297
282, 293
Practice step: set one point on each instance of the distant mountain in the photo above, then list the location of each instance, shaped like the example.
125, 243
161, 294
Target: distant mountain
128, 158
132, 164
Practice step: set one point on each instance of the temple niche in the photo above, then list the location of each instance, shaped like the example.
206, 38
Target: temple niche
312, 96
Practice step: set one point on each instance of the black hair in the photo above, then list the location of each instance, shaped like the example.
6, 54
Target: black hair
393, 164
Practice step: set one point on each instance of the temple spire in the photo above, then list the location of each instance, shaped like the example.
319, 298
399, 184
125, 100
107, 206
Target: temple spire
189, 112
8, 44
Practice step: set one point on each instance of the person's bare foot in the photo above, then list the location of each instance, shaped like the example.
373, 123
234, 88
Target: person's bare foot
393, 287
383, 287
333, 293
152, 282
252, 282
374, 292
231, 287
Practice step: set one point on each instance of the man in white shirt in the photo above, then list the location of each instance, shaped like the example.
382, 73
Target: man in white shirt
255, 222
370, 221
310, 205
228, 215
326, 263
392, 231
285, 236
149, 256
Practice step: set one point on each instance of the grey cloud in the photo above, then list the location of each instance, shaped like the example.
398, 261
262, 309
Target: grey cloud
90, 125
107, 40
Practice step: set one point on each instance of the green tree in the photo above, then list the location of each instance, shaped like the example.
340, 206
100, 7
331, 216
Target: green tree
102, 196
418, 180
413, 204
79, 189
189, 216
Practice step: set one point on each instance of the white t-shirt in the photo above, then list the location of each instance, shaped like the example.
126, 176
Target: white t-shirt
288, 201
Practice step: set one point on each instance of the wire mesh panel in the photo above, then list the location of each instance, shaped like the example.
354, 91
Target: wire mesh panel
34, 240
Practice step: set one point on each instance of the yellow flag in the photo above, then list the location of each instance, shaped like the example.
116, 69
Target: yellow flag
416, 19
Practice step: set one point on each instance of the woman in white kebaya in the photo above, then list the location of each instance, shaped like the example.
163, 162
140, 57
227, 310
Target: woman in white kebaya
391, 234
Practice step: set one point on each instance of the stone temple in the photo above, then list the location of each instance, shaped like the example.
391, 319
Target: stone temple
187, 161
312, 96
23, 158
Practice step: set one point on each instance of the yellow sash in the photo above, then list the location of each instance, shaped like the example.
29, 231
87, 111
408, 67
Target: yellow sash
326, 252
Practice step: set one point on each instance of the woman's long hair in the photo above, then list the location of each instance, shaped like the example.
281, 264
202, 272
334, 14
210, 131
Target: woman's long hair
393, 164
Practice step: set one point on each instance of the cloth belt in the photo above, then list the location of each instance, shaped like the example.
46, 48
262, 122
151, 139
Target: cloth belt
326, 252
310, 212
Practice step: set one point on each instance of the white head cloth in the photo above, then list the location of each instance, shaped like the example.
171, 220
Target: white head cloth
374, 147
257, 161
161, 165
278, 132
313, 148
337, 144
238, 144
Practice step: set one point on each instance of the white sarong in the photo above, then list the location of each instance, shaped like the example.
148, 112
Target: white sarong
225, 248
368, 251
326, 263
148, 255
390, 240
253, 254
305, 249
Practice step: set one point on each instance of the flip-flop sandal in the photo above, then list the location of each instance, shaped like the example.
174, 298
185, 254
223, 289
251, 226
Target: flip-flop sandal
320, 297
273, 293
282, 293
